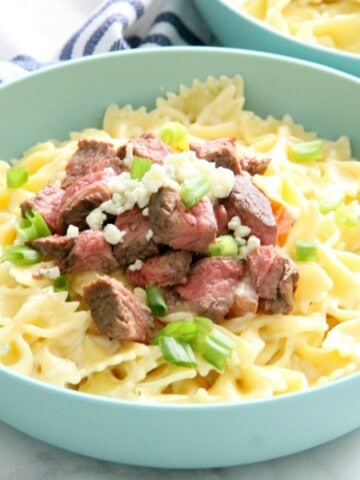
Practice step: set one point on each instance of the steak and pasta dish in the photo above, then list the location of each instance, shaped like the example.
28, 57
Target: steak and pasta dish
191, 253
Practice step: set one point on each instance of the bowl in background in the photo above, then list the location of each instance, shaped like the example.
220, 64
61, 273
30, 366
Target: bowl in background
237, 29
73, 96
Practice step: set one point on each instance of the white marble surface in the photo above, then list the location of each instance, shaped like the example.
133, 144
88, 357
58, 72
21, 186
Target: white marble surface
24, 458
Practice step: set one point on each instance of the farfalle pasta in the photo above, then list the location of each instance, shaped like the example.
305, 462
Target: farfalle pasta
50, 335
332, 24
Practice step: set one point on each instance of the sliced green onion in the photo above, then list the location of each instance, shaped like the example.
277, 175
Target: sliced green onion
176, 352
327, 205
139, 167
217, 348
225, 245
204, 326
176, 136
182, 330
32, 226
305, 251
347, 217
306, 151
192, 191
21, 255
156, 301
61, 283
17, 176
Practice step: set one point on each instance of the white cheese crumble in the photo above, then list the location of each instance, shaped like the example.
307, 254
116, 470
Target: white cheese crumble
240, 231
113, 234
149, 234
186, 165
240, 234
51, 273
95, 219
136, 265
252, 243
72, 231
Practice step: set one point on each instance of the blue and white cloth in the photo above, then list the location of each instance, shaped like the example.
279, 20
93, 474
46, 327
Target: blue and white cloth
36, 33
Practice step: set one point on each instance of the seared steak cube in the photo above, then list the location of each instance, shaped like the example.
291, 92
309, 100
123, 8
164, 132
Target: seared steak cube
117, 312
164, 270
253, 208
179, 227
211, 286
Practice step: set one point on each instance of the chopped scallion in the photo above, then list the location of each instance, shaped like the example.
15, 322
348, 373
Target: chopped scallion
17, 176
139, 167
305, 251
61, 283
156, 301
32, 226
176, 136
217, 348
176, 352
192, 191
204, 326
180, 339
225, 245
346, 216
21, 255
306, 151
182, 330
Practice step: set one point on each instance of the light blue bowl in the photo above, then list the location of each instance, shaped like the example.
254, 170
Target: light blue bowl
240, 30
73, 96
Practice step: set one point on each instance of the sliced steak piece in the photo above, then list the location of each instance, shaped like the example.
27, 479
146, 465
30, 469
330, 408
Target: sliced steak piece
164, 270
91, 156
47, 201
221, 151
254, 165
54, 246
136, 244
116, 311
253, 208
211, 286
81, 198
90, 251
246, 300
179, 227
150, 146
274, 277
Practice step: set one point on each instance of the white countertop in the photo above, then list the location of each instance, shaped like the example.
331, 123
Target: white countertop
24, 458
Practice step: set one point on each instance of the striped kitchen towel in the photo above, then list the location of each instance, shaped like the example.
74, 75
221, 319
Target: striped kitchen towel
36, 33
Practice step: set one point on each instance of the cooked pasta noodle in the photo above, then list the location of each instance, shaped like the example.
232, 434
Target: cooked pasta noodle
53, 340
330, 23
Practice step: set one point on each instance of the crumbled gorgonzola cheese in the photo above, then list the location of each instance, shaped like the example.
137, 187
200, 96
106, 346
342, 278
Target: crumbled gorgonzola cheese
51, 273
113, 234
95, 219
72, 231
136, 265
241, 232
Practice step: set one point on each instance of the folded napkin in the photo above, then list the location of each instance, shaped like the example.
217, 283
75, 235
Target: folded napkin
36, 33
